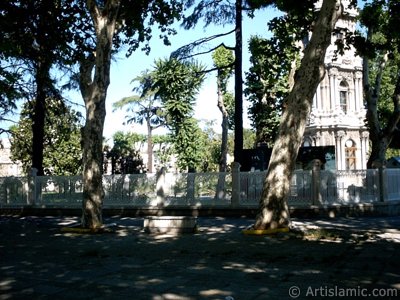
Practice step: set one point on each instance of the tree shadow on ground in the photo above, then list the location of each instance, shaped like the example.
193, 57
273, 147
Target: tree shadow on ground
358, 256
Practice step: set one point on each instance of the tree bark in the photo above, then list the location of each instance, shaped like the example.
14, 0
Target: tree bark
238, 147
149, 146
224, 127
273, 208
43, 84
220, 193
94, 92
39, 115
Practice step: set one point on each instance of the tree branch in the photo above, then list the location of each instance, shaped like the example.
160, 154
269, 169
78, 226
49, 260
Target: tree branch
184, 52
85, 75
395, 116
216, 69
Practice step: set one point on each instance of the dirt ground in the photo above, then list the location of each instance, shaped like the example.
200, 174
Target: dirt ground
335, 258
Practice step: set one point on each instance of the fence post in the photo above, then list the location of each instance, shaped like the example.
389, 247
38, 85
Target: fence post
316, 183
383, 195
32, 188
190, 188
235, 201
160, 186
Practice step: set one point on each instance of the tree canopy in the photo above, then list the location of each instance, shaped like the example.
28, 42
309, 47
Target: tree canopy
62, 139
379, 44
177, 84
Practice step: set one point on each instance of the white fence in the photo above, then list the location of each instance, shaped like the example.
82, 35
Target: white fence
234, 190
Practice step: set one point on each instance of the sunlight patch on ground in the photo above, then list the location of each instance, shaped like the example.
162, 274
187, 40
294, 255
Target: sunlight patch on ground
390, 236
170, 296
243, 268
68, 221
215, 292
6, 284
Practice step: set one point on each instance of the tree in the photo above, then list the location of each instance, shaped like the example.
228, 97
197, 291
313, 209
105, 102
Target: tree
10, 91
223, 13
267, 80
61, 143
273, 209
145, 107
163, 150
381, 63
222, 58
114, 23
177, 84
125, 158
27, 28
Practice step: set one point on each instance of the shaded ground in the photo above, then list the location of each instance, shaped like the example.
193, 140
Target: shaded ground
322, 258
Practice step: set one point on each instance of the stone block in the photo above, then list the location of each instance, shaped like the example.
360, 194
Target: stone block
170, 224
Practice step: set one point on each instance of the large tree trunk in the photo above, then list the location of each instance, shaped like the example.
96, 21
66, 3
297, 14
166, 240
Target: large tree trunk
39, 115
220, 193
43, 83
273, 209
94, 92
224, 127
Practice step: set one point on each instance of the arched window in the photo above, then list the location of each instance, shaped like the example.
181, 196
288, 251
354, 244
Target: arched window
307, 142
344, 96
350, 152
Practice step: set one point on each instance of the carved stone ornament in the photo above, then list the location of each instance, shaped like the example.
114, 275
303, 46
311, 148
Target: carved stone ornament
365, 134
333, 72
340, 134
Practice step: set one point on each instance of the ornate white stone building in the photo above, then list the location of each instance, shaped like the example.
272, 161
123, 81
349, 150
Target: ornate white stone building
338, 113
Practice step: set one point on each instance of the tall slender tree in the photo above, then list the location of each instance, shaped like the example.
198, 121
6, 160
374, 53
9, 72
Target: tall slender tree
223, 59
144, 107
223, 13
177, 84
114, 23
273, 209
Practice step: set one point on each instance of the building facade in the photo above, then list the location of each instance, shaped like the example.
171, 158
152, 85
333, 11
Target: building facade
338, 113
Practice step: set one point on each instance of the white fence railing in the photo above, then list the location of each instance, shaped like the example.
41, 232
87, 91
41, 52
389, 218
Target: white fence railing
235, 189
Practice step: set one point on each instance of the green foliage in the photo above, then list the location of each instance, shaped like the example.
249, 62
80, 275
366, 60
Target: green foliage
136, 19
212, 151
224, 60
177, 84
211, 12
125, 158
392, 153
10, 90
163, 150
249, 138
124, 142
273, 62
189, 145
389, 76
144, 106
267, 85
229, 101
378, 43
62, 147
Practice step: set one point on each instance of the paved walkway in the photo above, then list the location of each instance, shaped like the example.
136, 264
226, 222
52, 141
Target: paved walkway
353, 258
